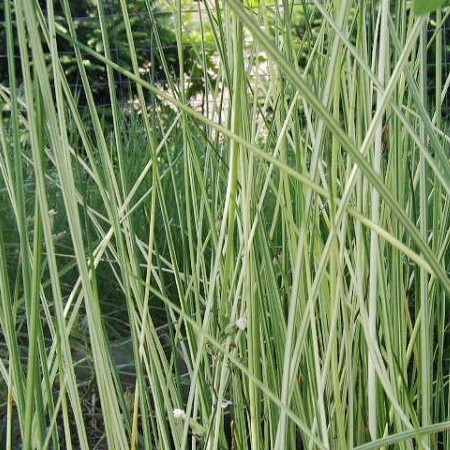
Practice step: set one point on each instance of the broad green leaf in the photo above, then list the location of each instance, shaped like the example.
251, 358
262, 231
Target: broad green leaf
426, 6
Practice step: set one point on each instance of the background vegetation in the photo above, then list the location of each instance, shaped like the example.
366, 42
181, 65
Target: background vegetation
247, 248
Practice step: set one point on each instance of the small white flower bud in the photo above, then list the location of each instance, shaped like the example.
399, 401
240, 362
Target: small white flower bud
241, 323
225, 404
179, 413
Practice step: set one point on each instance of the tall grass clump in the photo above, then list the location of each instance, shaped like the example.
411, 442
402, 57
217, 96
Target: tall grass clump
267, 271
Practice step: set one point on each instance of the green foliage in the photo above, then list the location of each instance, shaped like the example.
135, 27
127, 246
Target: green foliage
427, 6
292, 234
145, 23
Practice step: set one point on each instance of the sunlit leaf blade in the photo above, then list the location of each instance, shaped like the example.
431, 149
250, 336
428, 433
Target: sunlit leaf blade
426, 6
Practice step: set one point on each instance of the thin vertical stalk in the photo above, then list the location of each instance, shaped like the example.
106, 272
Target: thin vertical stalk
19, 207
383, 52
425, 310
334, 288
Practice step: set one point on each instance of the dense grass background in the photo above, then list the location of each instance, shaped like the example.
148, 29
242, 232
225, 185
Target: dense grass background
273, 268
